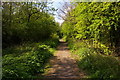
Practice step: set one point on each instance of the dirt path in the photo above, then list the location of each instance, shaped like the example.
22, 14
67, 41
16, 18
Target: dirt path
63, 65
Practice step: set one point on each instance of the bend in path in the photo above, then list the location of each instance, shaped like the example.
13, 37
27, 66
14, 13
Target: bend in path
63, 65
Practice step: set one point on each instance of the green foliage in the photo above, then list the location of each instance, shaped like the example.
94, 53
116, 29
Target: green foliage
27, 60
29, 38
52, 43
98, 66
98, 22
92, 31
96, 46
26, 21
93, 62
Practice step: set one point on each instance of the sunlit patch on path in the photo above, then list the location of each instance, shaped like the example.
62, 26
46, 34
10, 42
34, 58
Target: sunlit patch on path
63, 65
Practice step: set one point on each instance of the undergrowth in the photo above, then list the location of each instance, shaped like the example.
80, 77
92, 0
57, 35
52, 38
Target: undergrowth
27, 60
94, 62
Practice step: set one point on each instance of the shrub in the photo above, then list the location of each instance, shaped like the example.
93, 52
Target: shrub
93, 62
26, 61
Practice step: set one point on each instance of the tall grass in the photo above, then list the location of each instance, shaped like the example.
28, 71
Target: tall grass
94, 63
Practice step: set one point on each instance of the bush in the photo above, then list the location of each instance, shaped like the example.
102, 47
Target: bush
52, 43
26, 61
93, 62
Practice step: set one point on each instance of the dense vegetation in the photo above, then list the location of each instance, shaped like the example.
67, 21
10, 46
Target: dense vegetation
26, 21
26, 61
29, 38
98, 22
93, 62
92, 30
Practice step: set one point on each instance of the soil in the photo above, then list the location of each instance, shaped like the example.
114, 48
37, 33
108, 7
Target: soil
63, 65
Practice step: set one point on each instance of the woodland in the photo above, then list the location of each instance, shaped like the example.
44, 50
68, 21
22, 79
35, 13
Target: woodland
30, 36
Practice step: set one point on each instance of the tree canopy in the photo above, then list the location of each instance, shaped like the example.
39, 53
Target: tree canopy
26, 21
94, 21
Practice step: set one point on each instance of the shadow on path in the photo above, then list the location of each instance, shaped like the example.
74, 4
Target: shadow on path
63, 65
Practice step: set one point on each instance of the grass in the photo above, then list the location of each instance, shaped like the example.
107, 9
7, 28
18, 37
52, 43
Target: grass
94, 63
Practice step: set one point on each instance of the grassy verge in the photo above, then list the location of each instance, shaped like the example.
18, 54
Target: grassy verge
27, 60
94, 63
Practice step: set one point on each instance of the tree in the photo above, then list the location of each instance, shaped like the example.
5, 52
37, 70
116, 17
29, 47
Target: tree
94, 21
26, 21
